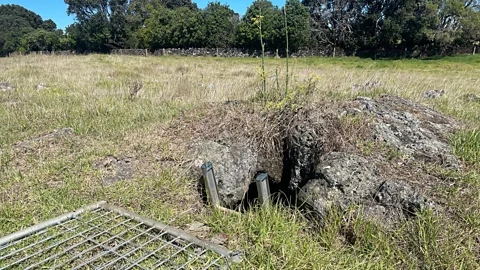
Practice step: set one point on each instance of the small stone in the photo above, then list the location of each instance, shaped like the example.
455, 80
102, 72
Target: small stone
434, 94
41, 87
367, 87
365, 99
198, 229
51, 137
472, 97
6, 87
351, 111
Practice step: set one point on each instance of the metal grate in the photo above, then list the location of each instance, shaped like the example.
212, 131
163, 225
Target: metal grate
103, 236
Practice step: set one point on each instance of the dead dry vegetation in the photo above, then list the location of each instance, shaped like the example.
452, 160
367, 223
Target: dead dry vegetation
122, 129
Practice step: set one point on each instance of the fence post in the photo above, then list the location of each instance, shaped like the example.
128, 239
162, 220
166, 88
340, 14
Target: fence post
210, 184
263, 189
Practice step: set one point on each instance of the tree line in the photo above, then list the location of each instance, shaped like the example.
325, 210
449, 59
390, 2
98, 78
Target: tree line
356, 27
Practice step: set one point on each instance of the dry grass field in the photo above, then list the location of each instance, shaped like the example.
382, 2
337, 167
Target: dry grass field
44, 175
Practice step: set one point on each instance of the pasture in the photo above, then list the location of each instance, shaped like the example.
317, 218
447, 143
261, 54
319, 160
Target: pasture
118, 108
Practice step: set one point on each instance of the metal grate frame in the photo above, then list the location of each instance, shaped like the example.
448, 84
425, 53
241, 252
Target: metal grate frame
103, 236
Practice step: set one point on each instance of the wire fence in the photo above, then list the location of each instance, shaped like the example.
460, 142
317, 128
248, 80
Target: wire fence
107, 237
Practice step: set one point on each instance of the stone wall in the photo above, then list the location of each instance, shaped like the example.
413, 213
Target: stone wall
198, 52
138, 52
225, 52
322, 53
42, 53
233, 52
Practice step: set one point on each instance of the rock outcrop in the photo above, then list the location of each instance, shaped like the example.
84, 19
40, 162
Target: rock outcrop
412, 128
323, 164
345, 179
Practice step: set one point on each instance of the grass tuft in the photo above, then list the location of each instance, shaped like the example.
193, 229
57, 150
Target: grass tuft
467, 145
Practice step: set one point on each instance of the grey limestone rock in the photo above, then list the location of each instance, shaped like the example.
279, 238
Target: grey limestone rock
346, 179
235, 166
413, 129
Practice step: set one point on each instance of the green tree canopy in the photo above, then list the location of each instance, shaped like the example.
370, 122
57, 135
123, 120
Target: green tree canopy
102, 23
172, 4
49, 25
299, 32
41, 40
15, 23
169, 28
333, 21
460, 22
272, 26
221, 23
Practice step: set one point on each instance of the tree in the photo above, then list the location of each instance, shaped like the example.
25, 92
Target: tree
221, 24
460, 23
298, 19
333, 22
15, 16
103, 23
418, 22
172, 4
388, 27
73, 38
139, 10
411, 26
49, 25
272, 26
368, 26
169, 28
187, 28
41, 40
15, 23
470, 25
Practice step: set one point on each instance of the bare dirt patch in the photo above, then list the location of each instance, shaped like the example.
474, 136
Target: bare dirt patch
116, 169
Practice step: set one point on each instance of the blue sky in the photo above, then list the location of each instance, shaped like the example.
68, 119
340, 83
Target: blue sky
57, 9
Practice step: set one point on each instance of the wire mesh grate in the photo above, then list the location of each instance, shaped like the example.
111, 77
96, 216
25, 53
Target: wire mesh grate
107, 237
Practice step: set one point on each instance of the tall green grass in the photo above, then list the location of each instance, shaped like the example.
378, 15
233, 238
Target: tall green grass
282, 238
467, 145
455, 63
